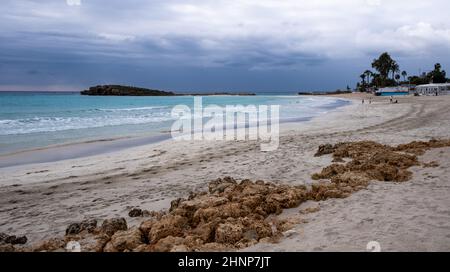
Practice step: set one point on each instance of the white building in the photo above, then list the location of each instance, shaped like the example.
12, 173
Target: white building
397, 89
433, 89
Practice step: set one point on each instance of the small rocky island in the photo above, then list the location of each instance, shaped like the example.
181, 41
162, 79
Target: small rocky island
118, 90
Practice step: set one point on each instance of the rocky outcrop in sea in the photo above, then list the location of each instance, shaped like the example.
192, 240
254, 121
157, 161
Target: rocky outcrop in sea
118, 90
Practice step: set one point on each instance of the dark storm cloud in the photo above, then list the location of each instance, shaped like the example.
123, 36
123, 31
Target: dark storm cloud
174, 43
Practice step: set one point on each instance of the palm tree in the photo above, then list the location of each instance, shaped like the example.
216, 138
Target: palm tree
368, 76
377, 80
363, 85
383, 65
397, 78
363, 77
404, 74
438, 75
395, 68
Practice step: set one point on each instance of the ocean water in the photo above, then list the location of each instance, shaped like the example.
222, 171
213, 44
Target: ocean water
35, 120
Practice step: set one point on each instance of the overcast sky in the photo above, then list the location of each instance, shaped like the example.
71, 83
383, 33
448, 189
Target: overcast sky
255, 45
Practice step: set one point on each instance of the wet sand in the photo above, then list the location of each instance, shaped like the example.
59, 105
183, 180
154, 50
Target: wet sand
40, 200
76, 150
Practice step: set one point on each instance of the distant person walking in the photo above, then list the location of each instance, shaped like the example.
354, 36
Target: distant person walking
392, 99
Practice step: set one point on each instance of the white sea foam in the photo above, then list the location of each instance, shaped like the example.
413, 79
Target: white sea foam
73, 119
50, 124
134, 109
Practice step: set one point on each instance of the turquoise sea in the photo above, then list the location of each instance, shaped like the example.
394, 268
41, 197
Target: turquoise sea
394, 93
30, 120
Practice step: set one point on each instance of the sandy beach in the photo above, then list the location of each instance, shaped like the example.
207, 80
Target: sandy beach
41, 200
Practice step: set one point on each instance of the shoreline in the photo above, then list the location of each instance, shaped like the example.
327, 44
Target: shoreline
76, 150
83, 149
41, 200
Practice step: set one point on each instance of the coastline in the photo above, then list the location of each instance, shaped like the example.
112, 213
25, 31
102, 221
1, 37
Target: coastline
76, 150
41, 200
89, 148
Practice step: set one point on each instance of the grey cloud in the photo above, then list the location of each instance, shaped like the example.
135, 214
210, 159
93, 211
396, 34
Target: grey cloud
111, 38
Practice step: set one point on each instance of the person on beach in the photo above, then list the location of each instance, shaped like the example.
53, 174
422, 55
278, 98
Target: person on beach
392, 99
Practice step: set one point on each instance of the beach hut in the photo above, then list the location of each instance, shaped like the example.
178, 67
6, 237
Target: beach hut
433, 89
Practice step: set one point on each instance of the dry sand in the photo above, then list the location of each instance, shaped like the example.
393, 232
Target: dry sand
41, 200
